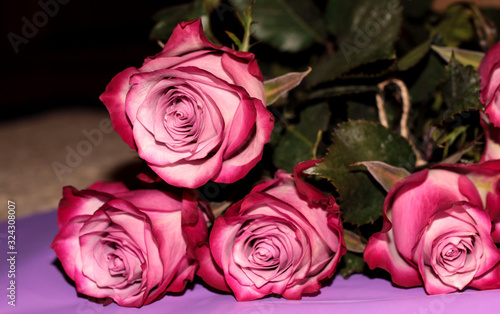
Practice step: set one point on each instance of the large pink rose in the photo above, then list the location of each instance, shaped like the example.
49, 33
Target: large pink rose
194, 112
436, 231
282, 238
128, 246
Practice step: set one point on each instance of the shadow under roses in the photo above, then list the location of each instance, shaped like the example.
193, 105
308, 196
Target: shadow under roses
189, 287
128, 173
372, 274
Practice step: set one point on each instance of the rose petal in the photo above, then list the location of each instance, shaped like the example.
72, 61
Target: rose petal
163, 201
410, 209
66, 246
492, 134
237, 166
313, 194
489, 280
381, 252
109, 187
76, 203
114, 99
242, 73
469, 190
186, 37
190, 174
209, 271
493, 106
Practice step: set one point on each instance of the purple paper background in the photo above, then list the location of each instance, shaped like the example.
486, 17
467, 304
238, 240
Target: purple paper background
42, 288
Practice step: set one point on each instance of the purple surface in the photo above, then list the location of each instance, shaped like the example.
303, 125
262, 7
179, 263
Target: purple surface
42, 288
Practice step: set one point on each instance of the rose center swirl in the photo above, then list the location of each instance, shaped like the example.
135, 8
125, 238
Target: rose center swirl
116, 265
264, 253
451, 252
182, 117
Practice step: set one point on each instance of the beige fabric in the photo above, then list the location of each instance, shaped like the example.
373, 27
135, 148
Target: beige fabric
32, 147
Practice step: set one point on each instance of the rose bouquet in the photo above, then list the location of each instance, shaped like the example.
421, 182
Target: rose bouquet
263, 180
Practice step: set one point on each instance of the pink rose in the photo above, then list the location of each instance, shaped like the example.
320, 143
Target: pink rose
489, 70
282, 238
194, 112
128, 246
437, 233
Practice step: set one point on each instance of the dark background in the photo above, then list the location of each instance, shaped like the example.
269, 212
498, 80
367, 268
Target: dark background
74, 55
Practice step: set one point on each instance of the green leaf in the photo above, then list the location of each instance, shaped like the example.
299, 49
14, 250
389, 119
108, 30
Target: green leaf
461, 89
416, 8
365, 30
457, 156
414, 56
234, 38
385, 174
287, 25
427, 76
456, 26
339, 90
361, 197
281, 85
450, 137
349, 15
361, 111
167, 18
464, 56
298, 143
351, 263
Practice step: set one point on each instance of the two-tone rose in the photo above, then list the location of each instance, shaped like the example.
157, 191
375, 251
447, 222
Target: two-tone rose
437, 230
128, 246
283, 238
194, 112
